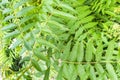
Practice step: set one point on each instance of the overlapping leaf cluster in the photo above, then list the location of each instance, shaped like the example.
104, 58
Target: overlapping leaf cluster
78, 39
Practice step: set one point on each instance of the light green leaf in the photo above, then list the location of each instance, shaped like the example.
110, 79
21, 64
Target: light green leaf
88, 55
86, 19
36, 65
111, 72
27, 45
100, 70
99, 51
44, 42
18, 4
9, 26
12, 34
89, 25
73, 53
66, 6
79, 32
63, 14
7, 10
110, 50
25, 10
8, 18
80, 53
66, 51
29, 26
66, 74
23, 20
40, 55
60, 74
81, 72
16, 43
58, 25
92, 73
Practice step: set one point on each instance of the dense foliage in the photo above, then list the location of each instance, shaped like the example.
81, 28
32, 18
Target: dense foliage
60, 39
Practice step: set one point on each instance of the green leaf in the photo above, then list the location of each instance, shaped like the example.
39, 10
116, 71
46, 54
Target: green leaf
12, 34
92, 73
67, 7
9, 26
7, 10
111, 72
79, 32
18, 4
26, 18
81, 72
100, 71
73, 53
8, 18
25, 10
47, 73
40, 55
88, 55
16, 43
86, 19
83, 14
27, 27
63, 14
110, 50
60, 74
36, 65
26, 58
89, 25
58, 25
66, 51
44, 42
99, 51
66, 74
80, 53
27, 45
